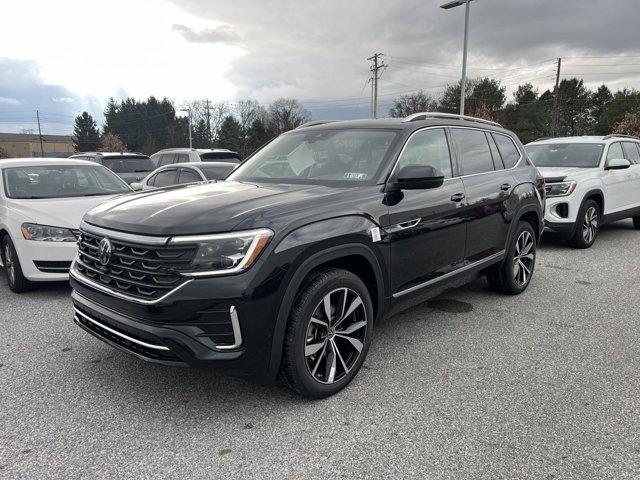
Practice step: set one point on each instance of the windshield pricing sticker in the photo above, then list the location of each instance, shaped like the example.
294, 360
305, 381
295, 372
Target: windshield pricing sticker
355, 176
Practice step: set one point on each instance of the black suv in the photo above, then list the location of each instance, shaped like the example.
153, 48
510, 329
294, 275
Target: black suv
286, 268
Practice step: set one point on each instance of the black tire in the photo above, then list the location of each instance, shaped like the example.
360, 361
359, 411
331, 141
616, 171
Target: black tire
587, 226
514, 274
303, 335
17, 282
636, 222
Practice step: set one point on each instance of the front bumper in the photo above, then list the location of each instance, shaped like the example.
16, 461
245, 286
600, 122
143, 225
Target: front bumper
224, 324
52, 257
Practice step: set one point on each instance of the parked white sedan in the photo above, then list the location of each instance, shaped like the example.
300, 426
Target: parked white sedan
42, 202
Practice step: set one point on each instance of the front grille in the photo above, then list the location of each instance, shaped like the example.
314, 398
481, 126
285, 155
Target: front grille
140, 271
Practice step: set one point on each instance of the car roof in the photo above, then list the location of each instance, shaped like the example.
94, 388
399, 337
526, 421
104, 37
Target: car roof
199, 150
198, 165
42, 162
109, 154
584, 139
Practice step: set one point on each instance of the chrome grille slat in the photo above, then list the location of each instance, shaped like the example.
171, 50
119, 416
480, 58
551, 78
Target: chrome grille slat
141, 271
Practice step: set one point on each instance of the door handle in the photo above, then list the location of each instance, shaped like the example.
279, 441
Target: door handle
457, 197
505, 187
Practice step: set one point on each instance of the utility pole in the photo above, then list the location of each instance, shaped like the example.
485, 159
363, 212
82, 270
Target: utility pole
40, 135
556, 102
208, 114
376, 71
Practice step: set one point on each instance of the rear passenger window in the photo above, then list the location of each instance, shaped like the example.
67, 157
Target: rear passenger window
165, 178
473, 151
182, 158
166, 159
427, 147
508, 151
631, 151
188, 176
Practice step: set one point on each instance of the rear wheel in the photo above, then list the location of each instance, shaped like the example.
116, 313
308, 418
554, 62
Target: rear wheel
328, 334
587, 226
17, 281
513, 275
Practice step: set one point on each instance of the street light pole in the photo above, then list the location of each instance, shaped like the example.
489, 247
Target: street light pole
463, 83
188, 110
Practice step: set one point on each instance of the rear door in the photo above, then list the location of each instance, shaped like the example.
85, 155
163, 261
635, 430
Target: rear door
426, 229
632, 153
488, 185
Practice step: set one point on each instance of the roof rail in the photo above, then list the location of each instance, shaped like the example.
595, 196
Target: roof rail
616, 135
313, 123
425, 115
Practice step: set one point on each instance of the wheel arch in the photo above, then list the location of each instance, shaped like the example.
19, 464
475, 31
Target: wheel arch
355, 257
597, 195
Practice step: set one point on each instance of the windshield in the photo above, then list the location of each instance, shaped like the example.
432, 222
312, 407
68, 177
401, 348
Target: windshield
128, 164
326, 157
58, 181
216, 172
583, 155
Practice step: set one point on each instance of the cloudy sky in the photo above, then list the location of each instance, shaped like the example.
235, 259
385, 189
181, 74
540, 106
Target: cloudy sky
71, 55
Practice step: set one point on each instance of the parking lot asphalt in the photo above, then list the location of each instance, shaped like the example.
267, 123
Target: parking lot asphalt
470, 385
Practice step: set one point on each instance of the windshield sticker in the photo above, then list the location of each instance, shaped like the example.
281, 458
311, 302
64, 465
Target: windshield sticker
355, 176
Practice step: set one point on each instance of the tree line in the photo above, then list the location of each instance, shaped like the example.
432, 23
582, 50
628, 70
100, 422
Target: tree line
150, 125
572, 110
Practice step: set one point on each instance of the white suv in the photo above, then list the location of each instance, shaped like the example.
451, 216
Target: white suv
590, 181
169, 156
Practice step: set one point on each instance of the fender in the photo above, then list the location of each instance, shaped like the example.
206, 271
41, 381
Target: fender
296, 280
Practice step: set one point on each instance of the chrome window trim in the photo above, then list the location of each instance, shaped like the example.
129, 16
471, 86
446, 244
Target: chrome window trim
119, 334
109, 291
451, 127
433, 281
123, 236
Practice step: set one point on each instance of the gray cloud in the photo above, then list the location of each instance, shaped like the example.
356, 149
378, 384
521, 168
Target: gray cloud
221, 34
317, 51
22, 92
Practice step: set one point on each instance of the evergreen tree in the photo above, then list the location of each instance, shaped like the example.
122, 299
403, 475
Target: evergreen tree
86, 135
257, 136
230, 134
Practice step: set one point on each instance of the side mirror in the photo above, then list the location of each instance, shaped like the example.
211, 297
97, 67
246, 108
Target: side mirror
137, 186
617, 164
416, 177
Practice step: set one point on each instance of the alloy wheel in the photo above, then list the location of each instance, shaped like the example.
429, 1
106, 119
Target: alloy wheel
9, 265
590, 225
335, 335
524, 258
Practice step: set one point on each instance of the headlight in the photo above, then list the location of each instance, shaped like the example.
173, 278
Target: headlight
43, 233
560, 189
224, 253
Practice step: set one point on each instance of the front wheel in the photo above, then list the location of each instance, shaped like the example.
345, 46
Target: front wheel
328, 334
514, 273
587, 226
17, 281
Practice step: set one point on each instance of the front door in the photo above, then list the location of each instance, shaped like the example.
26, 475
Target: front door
425, 227
618, 183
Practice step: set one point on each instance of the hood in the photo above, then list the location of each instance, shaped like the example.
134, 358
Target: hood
56, 212
219, 207
558, 174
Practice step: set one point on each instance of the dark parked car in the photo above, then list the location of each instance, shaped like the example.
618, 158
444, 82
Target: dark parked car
288, 266
131, 167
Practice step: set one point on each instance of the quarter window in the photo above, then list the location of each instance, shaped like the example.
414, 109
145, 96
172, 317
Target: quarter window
508, 151
631, 150
428, 147
615, 151
473, 151
497, 159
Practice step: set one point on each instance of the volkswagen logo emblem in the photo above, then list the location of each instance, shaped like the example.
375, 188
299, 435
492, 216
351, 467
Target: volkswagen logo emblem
104, 251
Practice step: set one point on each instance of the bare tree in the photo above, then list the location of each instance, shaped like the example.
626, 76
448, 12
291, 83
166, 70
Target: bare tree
111, 143
286, 114
412, 103
629, 125
249, 111
3, 153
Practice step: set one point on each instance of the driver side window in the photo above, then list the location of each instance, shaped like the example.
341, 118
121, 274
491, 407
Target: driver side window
428, 147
